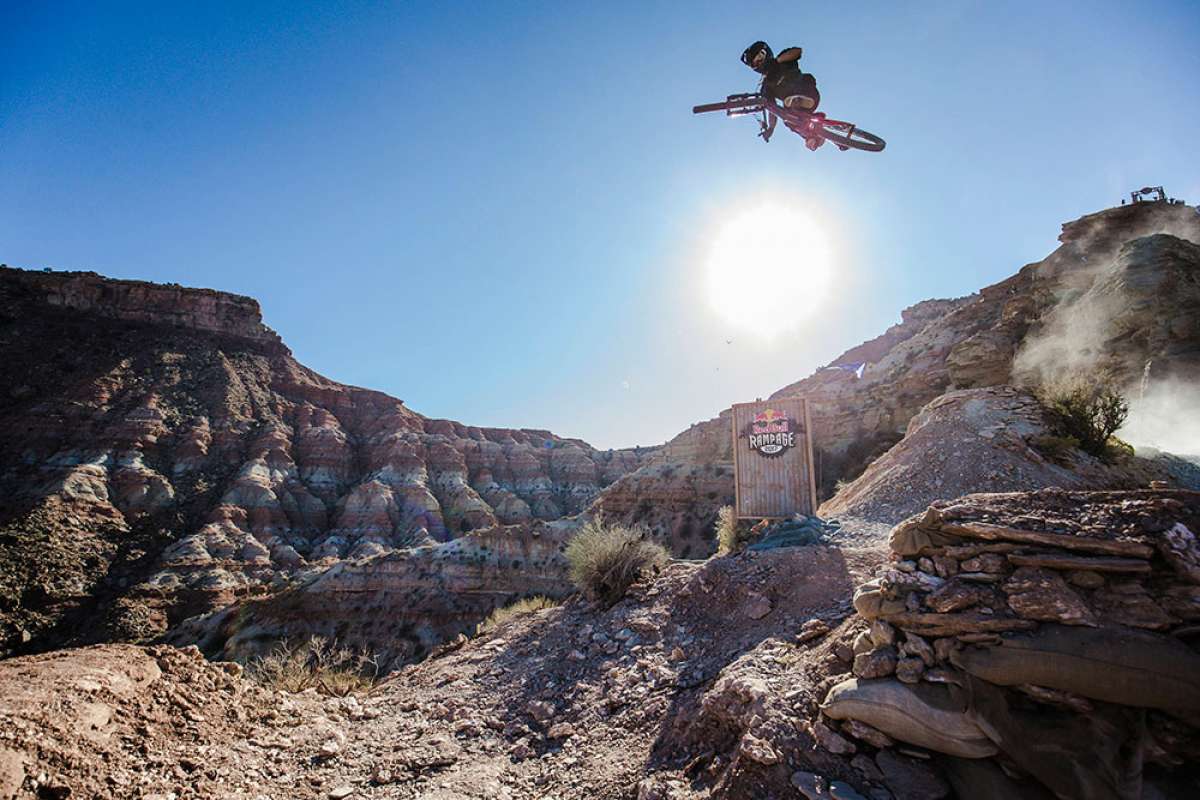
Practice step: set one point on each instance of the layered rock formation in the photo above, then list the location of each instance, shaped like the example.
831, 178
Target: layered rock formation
1054, 630
398, 605
1129, 272
161, 449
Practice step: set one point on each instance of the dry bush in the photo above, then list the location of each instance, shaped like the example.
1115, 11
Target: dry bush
526, 605
1056, 448
1089, 411
606, 560
318, 664
733, 534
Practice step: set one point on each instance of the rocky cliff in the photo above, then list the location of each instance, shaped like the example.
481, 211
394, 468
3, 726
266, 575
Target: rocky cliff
1120, 295
162, 452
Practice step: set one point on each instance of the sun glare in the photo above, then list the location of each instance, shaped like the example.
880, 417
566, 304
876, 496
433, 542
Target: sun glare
769, 269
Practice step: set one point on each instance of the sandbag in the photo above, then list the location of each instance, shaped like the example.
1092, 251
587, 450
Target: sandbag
923, 714
982, 779
918, 536
1117, 666
1094, 756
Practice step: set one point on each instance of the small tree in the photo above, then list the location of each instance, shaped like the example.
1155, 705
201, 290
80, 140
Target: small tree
1089, 412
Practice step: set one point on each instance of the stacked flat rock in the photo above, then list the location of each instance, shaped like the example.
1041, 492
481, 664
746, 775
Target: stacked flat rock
1055, 631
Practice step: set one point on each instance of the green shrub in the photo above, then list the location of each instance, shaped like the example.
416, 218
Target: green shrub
1089, 411
606, 560
526, 605
733, 534
317, 664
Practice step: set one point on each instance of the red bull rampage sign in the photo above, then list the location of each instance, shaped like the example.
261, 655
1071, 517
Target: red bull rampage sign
773, 460
771, 433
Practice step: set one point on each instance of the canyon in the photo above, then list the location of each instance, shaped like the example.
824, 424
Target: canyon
178, 496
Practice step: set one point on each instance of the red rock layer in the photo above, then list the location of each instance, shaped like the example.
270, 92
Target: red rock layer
177, 417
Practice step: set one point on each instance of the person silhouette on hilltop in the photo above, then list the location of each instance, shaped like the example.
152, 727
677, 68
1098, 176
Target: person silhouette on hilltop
783, 81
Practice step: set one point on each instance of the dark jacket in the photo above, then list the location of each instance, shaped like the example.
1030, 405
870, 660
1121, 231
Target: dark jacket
782, 76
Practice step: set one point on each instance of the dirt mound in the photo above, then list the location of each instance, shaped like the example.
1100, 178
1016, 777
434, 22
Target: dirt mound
574, 701
976, 440
119, 721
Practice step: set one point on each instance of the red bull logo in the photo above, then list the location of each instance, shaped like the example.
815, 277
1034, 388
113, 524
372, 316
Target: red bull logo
771, 432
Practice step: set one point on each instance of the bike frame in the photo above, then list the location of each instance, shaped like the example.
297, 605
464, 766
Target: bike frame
796, 120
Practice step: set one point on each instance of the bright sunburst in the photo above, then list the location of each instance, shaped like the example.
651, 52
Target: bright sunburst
769, 269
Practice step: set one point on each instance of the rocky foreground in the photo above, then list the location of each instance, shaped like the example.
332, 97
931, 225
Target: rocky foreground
1008, 646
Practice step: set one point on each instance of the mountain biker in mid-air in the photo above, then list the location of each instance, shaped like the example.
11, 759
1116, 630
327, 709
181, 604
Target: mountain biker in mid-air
783, 81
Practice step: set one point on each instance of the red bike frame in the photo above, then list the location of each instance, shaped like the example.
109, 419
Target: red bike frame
808, 124
805, 123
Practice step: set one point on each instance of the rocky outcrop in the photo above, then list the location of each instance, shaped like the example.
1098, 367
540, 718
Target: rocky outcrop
1130, 272
161, 447
1066, 618
141, 301
398, 605
992, 439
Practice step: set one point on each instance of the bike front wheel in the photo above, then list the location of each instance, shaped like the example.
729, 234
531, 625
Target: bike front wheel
844, 134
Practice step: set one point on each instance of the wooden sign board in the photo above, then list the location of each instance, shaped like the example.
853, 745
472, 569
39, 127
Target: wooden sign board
773, 459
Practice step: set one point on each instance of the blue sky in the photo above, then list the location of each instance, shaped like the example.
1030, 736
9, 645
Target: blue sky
499, 212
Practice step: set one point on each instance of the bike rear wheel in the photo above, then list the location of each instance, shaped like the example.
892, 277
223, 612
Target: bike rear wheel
844, 134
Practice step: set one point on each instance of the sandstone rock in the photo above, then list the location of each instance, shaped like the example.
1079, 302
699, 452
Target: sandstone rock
914, 645
863, 643
1042, 595
812, 629
1181, 550
910, 670
831, 741
758, 750
986, 562
882, 634
956, 595
863, 732
756, 606
1064, 562
943, 647
876, 664
561, 730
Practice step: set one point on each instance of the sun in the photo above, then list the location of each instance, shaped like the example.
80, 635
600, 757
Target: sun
769, 269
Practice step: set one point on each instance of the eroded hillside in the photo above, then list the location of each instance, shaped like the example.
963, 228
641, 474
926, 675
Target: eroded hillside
162, 452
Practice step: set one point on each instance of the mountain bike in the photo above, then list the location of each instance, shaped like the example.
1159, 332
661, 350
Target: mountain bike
845, 135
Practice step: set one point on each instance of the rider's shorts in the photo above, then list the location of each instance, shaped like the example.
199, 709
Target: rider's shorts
806, 85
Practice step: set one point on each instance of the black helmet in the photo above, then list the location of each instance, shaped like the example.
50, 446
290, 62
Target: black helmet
753, 50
